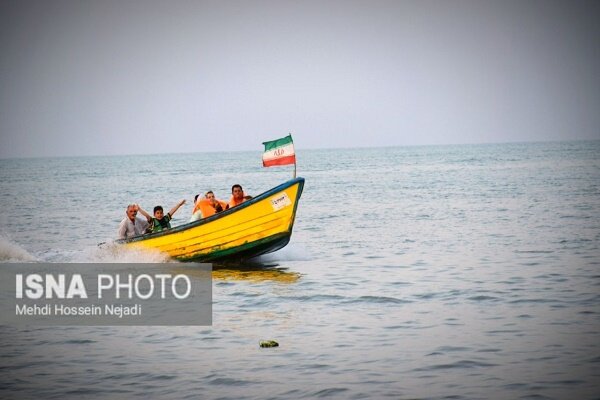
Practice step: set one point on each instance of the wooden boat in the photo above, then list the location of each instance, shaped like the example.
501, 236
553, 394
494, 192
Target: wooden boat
257, 226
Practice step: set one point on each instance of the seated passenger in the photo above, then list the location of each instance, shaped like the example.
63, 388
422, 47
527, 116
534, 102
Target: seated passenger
216, 204
196, 212
131, 225
237, 196
160, 221
208, 206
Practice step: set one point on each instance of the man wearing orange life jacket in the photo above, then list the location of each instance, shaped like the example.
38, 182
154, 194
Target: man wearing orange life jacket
237, 196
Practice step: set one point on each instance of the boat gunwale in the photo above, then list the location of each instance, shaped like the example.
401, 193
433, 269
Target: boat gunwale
223, 214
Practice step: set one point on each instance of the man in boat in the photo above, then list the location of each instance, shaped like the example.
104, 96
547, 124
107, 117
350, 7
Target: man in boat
237, 196
160, 221
131, 225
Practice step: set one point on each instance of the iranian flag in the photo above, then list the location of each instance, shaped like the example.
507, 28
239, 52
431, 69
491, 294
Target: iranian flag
279, 152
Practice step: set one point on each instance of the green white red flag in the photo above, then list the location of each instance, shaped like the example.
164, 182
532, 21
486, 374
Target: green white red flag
279, 152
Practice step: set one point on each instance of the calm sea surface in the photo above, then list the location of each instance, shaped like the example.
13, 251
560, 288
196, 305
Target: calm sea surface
462, 272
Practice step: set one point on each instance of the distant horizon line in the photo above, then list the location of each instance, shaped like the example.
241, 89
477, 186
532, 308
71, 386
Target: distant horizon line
302, 148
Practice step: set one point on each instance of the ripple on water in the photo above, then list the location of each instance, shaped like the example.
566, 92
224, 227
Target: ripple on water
229, 382
483, 298
329, 392
377, 300
77, 341
463, 364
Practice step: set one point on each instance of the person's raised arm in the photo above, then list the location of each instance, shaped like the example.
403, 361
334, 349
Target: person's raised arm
144, 213
176, 207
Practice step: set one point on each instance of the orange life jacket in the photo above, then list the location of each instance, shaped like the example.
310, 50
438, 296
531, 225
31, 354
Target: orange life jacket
233, 202
208, 209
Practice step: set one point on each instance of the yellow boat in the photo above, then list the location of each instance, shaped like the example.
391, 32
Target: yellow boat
257, 226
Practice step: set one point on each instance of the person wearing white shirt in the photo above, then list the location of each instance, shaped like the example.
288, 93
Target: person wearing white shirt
132, 226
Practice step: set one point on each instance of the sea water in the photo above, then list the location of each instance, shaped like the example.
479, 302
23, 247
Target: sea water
464, 272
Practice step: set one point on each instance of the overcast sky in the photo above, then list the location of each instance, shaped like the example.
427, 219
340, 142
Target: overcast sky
123, 77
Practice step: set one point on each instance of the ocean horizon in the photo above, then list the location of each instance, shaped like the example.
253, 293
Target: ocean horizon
301, 149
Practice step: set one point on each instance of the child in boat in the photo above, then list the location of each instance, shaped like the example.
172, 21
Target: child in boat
160, 221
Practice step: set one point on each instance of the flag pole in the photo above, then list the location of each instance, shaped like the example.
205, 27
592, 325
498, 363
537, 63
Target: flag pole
290, 135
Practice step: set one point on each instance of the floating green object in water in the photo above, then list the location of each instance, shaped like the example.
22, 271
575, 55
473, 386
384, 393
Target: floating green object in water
268, 343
